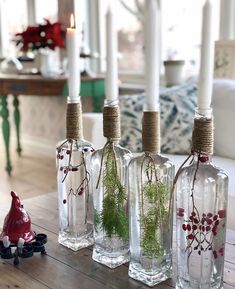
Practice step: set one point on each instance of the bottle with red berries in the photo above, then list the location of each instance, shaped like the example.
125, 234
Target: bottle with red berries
201, 204
73, 176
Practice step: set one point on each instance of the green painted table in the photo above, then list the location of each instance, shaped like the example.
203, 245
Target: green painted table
36, 85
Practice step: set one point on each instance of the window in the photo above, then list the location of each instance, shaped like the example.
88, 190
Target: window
13, 18
181, 31
16, 15
130, 35
46, 9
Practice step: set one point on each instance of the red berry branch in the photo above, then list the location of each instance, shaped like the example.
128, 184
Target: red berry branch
71, 168
202, 229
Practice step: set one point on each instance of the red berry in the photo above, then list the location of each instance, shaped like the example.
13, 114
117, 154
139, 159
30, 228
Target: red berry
196, 221
209, 221
221, 250
184, 227
222, 214
203, 221
64, 201
190, 236
214, 229
68, 152
194, 227
188, 227
209, 215
80, 192
217, 223
215, 217
193, 214
208, 228
203, 228
203, 215
191, 218
203, 159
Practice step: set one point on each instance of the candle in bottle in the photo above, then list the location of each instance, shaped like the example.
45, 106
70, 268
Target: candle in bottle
112, 65
207, 59
73, 60
152, 46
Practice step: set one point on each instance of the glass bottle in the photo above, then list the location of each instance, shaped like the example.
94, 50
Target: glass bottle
150, 179
74, 196
201, 206
111, 235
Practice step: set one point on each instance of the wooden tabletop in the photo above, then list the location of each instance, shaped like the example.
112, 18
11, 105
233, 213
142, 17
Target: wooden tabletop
62, 268
29, 84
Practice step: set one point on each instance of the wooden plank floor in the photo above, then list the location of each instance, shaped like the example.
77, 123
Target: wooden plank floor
61, 268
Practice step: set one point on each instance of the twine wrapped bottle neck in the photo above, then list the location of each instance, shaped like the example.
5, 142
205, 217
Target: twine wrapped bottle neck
74, 121
203, 136
151, 132
111, 123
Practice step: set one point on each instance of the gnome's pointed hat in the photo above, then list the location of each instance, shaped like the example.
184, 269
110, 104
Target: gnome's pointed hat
17, 223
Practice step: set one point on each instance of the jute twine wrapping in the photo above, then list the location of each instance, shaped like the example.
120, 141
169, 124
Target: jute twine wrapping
151, 131
203, 136
74, 121
111, 122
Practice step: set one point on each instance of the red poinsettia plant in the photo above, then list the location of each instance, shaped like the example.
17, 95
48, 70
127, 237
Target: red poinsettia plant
48, 35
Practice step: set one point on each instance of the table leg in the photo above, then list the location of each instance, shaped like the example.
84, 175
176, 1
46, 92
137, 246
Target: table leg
98, 95
17, 122
6, 130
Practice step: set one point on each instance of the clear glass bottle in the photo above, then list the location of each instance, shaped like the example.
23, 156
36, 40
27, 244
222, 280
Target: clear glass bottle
150, 179
201, 206
74, 194
111, 234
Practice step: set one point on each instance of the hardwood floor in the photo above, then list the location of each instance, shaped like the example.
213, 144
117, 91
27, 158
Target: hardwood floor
32, 175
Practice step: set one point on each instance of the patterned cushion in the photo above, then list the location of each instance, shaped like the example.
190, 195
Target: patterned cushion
177, 112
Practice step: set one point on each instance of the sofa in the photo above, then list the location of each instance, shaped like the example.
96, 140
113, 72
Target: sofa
223, 103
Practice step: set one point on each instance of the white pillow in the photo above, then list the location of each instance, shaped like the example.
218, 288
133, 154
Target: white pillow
223, 103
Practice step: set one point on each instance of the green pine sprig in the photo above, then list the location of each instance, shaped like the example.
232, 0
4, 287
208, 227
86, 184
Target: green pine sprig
153, 193
112, 218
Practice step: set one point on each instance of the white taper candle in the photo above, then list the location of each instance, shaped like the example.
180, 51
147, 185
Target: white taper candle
73, 53
112, 64
207, 59
152, 52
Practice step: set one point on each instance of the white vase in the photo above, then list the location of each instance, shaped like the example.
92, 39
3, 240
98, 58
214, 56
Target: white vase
48, 65
174, 72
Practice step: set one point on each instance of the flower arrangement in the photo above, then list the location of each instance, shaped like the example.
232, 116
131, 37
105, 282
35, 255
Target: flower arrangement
46, 35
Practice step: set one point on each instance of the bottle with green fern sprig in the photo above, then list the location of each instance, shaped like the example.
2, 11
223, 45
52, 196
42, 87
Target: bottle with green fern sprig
150, 179
111, 229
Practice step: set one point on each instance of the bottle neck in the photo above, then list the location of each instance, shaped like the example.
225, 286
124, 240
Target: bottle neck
203, 113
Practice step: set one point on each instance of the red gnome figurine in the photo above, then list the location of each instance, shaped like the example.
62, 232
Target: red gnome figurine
17, 223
